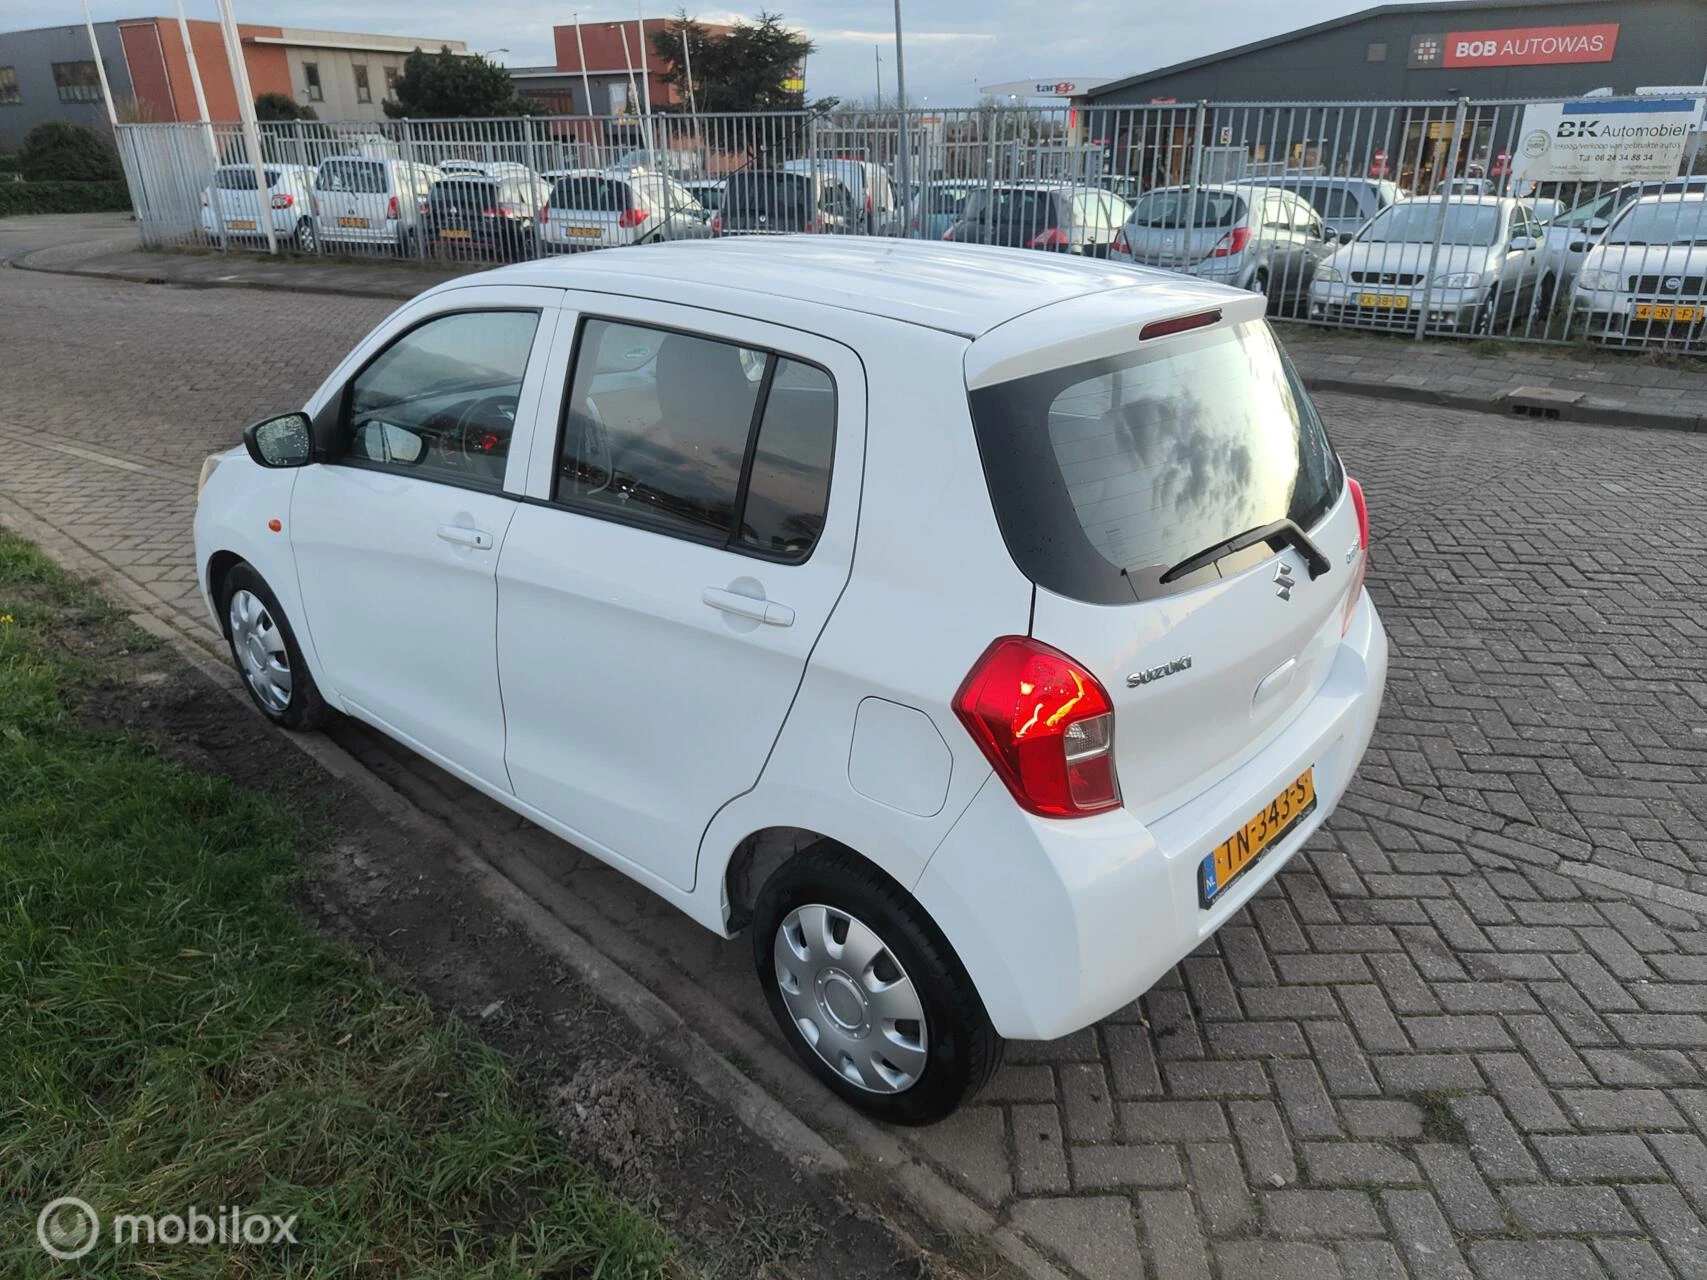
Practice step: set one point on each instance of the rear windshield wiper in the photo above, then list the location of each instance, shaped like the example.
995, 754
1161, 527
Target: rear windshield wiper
1279, 531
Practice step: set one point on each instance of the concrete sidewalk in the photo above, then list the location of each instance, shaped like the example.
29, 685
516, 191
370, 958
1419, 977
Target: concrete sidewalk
1570, 383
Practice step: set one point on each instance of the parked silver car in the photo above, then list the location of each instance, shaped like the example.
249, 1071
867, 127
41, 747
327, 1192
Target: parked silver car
1570, 235
1251, 237
1344, 203
231, 213
1487, 267
1646, 281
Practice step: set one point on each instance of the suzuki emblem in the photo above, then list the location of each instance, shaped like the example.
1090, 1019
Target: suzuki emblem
1283, 581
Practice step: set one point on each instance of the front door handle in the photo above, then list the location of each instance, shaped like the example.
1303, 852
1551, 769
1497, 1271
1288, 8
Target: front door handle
767, 611
460, 535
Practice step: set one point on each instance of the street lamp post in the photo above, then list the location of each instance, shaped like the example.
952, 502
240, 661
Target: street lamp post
903, 158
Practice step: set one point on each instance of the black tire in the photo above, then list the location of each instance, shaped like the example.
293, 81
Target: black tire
303, 240
1482, 326
1545, 296
962, 1048
306, 709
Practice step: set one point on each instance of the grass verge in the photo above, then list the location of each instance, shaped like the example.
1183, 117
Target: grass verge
175, 1036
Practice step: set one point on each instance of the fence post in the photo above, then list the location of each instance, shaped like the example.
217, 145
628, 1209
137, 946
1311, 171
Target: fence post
1440, 221
406, 151
1197, 148
533, 167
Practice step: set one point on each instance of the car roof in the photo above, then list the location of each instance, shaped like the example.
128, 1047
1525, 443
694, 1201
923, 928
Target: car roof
961, 289
1674, 197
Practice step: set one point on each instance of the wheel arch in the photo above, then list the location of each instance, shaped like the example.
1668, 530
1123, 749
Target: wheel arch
219, 567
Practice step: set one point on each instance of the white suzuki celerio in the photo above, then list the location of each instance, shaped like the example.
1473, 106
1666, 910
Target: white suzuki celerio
978, 628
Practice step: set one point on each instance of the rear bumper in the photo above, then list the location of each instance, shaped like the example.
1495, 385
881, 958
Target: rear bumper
1061, 923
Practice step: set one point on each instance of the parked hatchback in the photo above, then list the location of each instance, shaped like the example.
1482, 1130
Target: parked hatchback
1484, 253
876, 208
467, 214
1257, 238
1041, 215
833, 592
619, 207
367, 201
1646, 281
231, 211
776, 201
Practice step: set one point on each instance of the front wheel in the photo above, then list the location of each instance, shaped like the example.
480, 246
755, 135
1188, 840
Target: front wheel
867, 991
266, 653
303, 240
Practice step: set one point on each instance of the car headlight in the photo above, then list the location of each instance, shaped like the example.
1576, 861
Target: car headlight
210, 464
1600, 279
1329, 275
1459, 280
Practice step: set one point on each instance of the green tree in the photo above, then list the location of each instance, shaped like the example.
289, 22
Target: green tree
445, 84
59, 151
281, 106
745, 69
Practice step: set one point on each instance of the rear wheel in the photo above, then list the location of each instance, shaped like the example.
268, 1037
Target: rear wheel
867, 990
266, 653
303, 240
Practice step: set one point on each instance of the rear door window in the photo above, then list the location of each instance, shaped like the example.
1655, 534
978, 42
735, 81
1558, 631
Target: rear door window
360, 177
1106, 474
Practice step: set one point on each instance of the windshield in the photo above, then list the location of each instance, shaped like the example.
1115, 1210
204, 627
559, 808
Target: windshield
242, 179
1181, 208
1666, 221
366, 177
1106, 473
1010, 205
1416, 222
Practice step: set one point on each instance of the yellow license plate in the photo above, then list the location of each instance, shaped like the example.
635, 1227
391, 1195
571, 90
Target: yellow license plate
1236, 855
455, 233
240, 224
584, 233
1668, 313
352, 222
1391, 301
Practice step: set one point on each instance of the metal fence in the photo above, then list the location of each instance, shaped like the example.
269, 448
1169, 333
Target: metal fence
1404, 217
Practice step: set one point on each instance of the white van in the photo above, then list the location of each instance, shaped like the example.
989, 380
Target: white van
370, 201
877, 211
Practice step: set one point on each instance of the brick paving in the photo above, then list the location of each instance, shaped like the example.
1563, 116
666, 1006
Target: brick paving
1463, 1035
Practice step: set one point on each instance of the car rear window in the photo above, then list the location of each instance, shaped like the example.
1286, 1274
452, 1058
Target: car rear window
1010, 205
1105, 474
365, 177
472, 192
605, 195
241, 178
1181, 208
772, 194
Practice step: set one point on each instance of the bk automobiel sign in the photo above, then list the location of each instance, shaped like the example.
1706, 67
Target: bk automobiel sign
1516, 46
1603, 140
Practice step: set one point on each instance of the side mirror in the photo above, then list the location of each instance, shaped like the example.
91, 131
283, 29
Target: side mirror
1596, 226
1346, 237
281, 441
1523, 244
1578, 246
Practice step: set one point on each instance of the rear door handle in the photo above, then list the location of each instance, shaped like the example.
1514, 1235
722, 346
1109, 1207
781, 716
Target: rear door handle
460, 535
767, 611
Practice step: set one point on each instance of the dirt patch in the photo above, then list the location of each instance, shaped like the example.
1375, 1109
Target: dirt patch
736, 1208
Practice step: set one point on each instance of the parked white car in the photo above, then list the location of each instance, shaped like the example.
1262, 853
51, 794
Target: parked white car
232, 213
877, 208
991, 777
371, 201
1646, 281
1484, 252
619, 207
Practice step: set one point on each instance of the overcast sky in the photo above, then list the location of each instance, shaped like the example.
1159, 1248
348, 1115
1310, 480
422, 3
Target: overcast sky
952, 46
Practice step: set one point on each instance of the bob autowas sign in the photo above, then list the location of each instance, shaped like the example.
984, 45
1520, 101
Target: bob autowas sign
1516, 46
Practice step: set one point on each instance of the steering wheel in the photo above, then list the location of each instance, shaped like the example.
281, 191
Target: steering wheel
469, 438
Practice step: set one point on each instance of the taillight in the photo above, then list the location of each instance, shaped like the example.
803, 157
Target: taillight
283, 201
628, 219
949, 234
817, 224
1046, 725
1232, 244
868, 204
1054, 238
494, 211
544, 213
1361, 569
1121, 243
392, 211
717, 223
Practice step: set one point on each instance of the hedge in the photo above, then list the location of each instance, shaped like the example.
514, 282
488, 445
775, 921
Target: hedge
63, 197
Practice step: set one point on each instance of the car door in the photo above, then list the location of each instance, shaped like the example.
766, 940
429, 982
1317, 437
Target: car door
397, 535
686, 538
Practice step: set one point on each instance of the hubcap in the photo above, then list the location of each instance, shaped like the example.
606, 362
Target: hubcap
260, 649
850, 999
